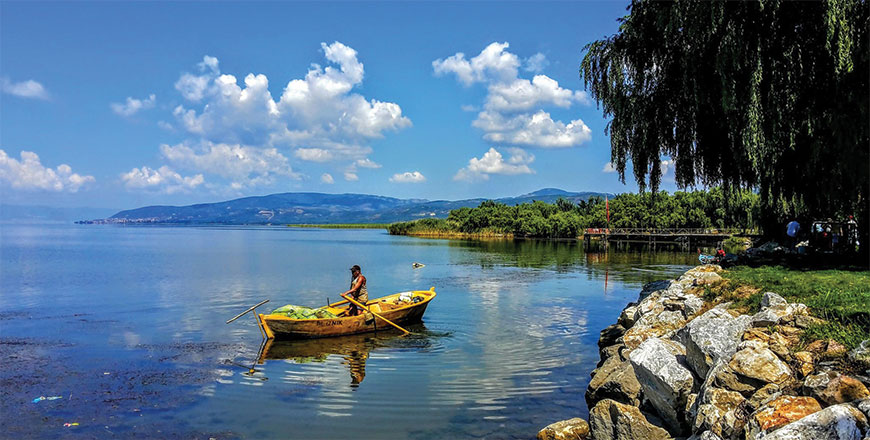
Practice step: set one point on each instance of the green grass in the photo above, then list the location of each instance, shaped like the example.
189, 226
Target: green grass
441, 228
840, 297
344, 226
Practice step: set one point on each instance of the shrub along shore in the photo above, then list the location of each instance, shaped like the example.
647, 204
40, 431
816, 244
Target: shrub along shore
564, 219
762, 354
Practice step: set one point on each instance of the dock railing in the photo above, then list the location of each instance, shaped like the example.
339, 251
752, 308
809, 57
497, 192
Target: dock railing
667, 231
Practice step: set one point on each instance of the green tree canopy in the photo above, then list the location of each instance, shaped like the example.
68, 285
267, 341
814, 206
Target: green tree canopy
770, 95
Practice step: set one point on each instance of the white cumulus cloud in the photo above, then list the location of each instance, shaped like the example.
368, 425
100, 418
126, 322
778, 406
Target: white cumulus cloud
492, 64
665, 165
244, 165
513, 110
367, 163
238, 130
163, 179
532, 130
24, 89
29, 174
536, 63
327, 178
408, 177
317, 113
522, 94
194, 87
133, 105
313, 154
492, 162
608, 168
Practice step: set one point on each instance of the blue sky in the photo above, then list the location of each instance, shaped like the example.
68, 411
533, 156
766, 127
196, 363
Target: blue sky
119, 105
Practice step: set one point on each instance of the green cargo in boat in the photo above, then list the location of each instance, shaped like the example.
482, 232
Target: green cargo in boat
295, 322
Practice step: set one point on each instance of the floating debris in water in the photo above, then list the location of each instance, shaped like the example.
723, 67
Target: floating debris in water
41, 398
71, 424
418, 265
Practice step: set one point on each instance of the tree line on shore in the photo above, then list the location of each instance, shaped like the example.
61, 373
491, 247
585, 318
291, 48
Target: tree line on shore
712, 208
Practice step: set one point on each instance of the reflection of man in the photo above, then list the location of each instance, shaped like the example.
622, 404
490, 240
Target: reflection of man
357, 290
357, 362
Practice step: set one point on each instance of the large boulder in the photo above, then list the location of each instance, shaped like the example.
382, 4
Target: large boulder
755, 361
611, 420
778, 315
660, 313
610, 335
664, 380
751, 368
779, 412
711, 336
827, 349
764, 395
831, 388
571, 429
608, 352
653, 325
804, 363
838, 422
776, 341
654, 286
719, 411
615, 380
700, 275
628, 315
776, 310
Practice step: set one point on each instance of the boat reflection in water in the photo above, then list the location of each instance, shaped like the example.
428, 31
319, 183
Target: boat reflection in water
354, 349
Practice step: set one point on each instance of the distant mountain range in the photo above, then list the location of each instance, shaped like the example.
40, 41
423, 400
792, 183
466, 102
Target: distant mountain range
319, 208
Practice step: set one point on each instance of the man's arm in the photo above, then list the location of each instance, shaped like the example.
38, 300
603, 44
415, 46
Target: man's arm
356, 286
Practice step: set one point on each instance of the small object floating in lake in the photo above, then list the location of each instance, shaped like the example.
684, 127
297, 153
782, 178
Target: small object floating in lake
295, 322
418, 265
71, 424
41, 398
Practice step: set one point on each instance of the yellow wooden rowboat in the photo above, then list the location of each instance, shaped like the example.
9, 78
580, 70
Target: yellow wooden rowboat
389, 307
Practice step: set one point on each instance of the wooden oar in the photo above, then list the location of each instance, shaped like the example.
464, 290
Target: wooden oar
338, 303
352, 301
246, 311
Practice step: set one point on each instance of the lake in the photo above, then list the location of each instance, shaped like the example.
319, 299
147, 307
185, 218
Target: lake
127, 326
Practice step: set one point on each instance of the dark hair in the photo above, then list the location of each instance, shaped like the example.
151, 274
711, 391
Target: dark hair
355, 268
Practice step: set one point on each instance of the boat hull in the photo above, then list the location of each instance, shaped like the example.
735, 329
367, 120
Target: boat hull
282, 327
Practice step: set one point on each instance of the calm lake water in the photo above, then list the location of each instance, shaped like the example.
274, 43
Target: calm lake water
126, 325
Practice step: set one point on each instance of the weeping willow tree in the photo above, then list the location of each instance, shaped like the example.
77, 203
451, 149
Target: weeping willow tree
770, 95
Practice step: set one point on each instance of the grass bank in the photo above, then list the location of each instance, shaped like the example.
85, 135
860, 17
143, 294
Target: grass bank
343, 226
840, 297
441, 228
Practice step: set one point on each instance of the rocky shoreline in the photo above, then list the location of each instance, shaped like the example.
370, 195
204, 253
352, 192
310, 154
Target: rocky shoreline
675, 366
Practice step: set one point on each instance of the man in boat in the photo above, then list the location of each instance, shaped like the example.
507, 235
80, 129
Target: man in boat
357, 290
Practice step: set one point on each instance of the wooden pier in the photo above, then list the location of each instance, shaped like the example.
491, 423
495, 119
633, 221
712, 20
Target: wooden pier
651, 235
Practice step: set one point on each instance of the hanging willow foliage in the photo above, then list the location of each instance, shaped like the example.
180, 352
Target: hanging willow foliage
771, 95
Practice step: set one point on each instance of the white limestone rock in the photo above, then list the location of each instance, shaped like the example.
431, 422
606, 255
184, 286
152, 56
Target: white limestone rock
713, 335
611, 420
770, 299
665, 382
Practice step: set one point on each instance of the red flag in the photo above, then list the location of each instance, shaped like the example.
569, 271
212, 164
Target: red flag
607, 209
